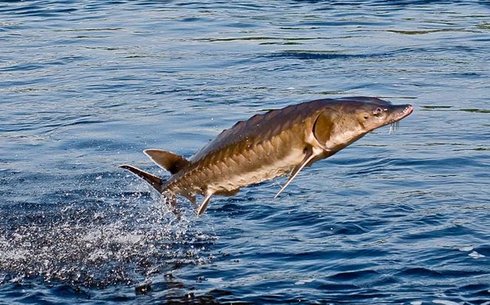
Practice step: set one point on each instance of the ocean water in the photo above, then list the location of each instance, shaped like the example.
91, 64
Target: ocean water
399, 218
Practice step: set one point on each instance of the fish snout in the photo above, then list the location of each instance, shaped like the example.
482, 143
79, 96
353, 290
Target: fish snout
398, 112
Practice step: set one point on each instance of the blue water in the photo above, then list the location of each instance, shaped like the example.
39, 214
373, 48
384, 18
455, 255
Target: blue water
392, 219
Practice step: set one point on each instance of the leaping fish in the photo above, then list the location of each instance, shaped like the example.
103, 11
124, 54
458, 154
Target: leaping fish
277, 143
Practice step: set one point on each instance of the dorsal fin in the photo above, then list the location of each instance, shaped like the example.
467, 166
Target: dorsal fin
167, 160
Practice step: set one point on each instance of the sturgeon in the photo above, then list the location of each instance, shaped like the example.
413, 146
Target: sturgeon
277, 143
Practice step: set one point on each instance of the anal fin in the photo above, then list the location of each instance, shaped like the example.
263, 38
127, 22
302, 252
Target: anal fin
204, 205
308, 157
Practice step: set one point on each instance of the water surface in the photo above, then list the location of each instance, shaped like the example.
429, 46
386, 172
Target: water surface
84, 87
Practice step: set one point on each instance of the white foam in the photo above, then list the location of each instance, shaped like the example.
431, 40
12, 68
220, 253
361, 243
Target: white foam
466, 248
476, 255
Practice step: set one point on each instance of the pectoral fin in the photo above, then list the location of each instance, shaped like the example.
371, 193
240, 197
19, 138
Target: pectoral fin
167, 160
308, 157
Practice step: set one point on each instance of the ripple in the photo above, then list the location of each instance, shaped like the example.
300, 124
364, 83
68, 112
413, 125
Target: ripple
87, 86
323, 55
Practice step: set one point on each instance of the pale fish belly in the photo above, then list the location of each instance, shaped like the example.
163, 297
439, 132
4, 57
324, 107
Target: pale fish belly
266, 171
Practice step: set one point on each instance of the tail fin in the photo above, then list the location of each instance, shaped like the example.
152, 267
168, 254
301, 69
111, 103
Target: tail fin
153, 180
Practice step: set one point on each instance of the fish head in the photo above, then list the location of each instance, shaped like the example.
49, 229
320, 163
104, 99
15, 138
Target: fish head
377, 113
346, 120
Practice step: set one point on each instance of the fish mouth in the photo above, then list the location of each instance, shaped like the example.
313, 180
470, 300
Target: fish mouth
400, 113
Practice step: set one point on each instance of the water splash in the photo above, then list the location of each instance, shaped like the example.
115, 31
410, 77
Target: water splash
394, 127
96, 242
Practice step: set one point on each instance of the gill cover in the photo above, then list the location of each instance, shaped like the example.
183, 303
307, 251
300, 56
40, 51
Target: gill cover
323, 128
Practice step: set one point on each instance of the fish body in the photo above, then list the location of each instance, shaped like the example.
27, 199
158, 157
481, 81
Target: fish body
277, 143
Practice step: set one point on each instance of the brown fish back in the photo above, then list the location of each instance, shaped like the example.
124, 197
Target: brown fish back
260, 127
